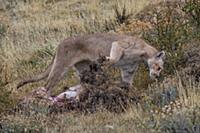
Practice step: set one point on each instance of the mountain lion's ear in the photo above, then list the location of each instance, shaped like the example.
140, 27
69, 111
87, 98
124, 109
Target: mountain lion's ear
160, 55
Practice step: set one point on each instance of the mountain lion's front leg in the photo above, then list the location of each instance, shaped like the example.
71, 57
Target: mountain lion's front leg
127, 73
116, 53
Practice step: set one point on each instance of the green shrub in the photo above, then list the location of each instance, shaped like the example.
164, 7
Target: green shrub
122, 16
183, 122
170, 31
192, 8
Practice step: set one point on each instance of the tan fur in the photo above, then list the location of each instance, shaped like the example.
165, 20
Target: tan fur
125, 52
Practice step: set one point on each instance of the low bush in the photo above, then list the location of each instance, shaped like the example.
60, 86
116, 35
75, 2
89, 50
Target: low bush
192, 8
170, 31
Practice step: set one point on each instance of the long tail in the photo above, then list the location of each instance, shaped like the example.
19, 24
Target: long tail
37, 77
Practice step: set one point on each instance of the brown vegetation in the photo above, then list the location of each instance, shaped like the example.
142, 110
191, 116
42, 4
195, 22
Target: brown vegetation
30, 31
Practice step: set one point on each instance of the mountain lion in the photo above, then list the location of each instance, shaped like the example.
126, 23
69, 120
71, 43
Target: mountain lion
122, 51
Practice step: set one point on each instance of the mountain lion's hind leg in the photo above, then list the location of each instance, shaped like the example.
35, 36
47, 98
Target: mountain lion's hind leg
57, 73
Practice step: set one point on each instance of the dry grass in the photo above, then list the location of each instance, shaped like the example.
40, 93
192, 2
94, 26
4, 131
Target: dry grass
184, 115
31, 31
